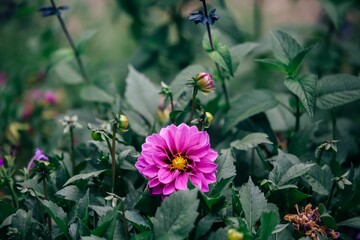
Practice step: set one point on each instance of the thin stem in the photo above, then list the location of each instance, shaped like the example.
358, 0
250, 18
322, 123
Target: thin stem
125, 221
13, 194
257, 19
193, 104
171, 102
47, 199
72, 150
262, 158
297, 114
331, 195
71, 42
318, 160
333, 122
112, 152
217, 65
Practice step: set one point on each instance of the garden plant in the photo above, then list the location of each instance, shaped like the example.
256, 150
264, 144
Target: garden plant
174, 119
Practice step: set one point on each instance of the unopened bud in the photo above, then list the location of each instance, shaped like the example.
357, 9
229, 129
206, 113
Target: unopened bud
123, 123
204, 82
96, 136
209, 119
235, 235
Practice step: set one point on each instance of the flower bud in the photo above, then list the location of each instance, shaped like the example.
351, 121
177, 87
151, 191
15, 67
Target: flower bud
204, 82
123, 123
209, 119
235, 235
96, 136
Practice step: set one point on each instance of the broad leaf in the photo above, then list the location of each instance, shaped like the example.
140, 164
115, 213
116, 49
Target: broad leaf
295, 63
221, 185
295, 171
319, 178
226, 168
221, 233
82, 208
247, 105
269, 221
142, 94
175, 218
336, 90
84, 176
305, 88
204, 225
67, 74
284, 46
71, 192
106, 225
275, 64
282, 163
57, 214
250, 141
253, 203
93, 93
137, 220
238, 52
352, 222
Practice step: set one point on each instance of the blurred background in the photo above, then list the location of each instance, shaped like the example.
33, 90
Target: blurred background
40, 80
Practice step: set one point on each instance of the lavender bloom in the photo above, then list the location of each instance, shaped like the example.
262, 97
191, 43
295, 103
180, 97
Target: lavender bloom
39, 156
1, 162
173, 156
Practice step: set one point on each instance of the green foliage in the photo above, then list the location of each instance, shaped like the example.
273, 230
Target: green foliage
250, 141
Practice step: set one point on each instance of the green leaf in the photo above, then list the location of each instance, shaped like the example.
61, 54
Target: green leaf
213, 203
238, 52
6, 210
337, 89
92, 237
226, 168
279, 228
319, 178
220, 186
57, 214
352, 222
106, 225
221, 233
67, 74
282, 162
269, 221
247, 105
82, 208
284, 46
84, 39
176, 216
61, 56
250, 141
142, 94
275, 64
71, 192
295, 171
336, 10
92, 93
295, 63
204, 225
253, 203
305, 88
137, 220
84, 176
220, 54
326, 218
141, 236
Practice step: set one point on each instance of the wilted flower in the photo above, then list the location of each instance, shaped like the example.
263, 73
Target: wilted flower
199, 17
204, 82
70, 122
39, 156
170, 158
308, 222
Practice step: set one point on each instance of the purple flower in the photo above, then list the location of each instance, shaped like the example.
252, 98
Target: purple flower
170, 158
39, 156
1, 162
50, 97
204, 82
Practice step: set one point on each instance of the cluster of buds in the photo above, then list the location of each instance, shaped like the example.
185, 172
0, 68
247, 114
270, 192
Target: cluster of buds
308, 222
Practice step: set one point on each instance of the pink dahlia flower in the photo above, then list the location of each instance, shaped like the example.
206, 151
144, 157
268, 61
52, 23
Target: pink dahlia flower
173, 156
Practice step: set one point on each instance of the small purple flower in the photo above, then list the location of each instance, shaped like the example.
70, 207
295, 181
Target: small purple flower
173, 156
39, 156
50, 97
1, 162
199, 17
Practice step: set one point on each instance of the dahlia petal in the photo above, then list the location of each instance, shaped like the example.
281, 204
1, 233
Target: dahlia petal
206, 166
165, 175
199, 151
157, 189
182, 138
168, 134
181, 181
154, 182
195, 180
212, 155
169, 188
210, 177
150, 171
194, 158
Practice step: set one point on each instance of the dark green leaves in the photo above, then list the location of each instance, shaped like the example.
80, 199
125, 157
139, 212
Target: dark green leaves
175, 218
253, 203
84, 176
250, 141
58, 215
284, 46
247, 105
336, 90
269, 221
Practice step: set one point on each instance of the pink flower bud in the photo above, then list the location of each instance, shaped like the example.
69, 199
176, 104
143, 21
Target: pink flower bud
204, 82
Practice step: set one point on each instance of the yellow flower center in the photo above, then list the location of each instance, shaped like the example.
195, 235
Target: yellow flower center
179, 162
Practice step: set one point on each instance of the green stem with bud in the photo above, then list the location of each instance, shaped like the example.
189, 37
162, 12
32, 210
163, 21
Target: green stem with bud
72, 44
171, 101
217, 65
193, 103
13, 194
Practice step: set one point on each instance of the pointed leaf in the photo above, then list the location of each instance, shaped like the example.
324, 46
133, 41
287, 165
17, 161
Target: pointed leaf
352, 222
336, 90
106, 223
67, 74
71, 192
269, 221
142, 94
238, 52
253, 203
295, 63
175, 218
204, 225
57, 214
319, 178
93, 93
250, 141
84, 176
284, 46
137, 220
275, 64
226, 168
247, 105
305, 88
294, 172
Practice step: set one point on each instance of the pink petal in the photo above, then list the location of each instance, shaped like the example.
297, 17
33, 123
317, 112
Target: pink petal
165, 175
153, 182
211, 155
181, 181
182, 138
169, 188
195, 180
206, 167
168, 134
157, 189
150, 171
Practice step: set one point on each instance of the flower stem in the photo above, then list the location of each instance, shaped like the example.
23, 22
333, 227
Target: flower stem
111, 147
193, 104
297, 114
217, 65
171, 102
47, 199
72, 149
72, 44
318, 159
331, 195
13, 194
125, 221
